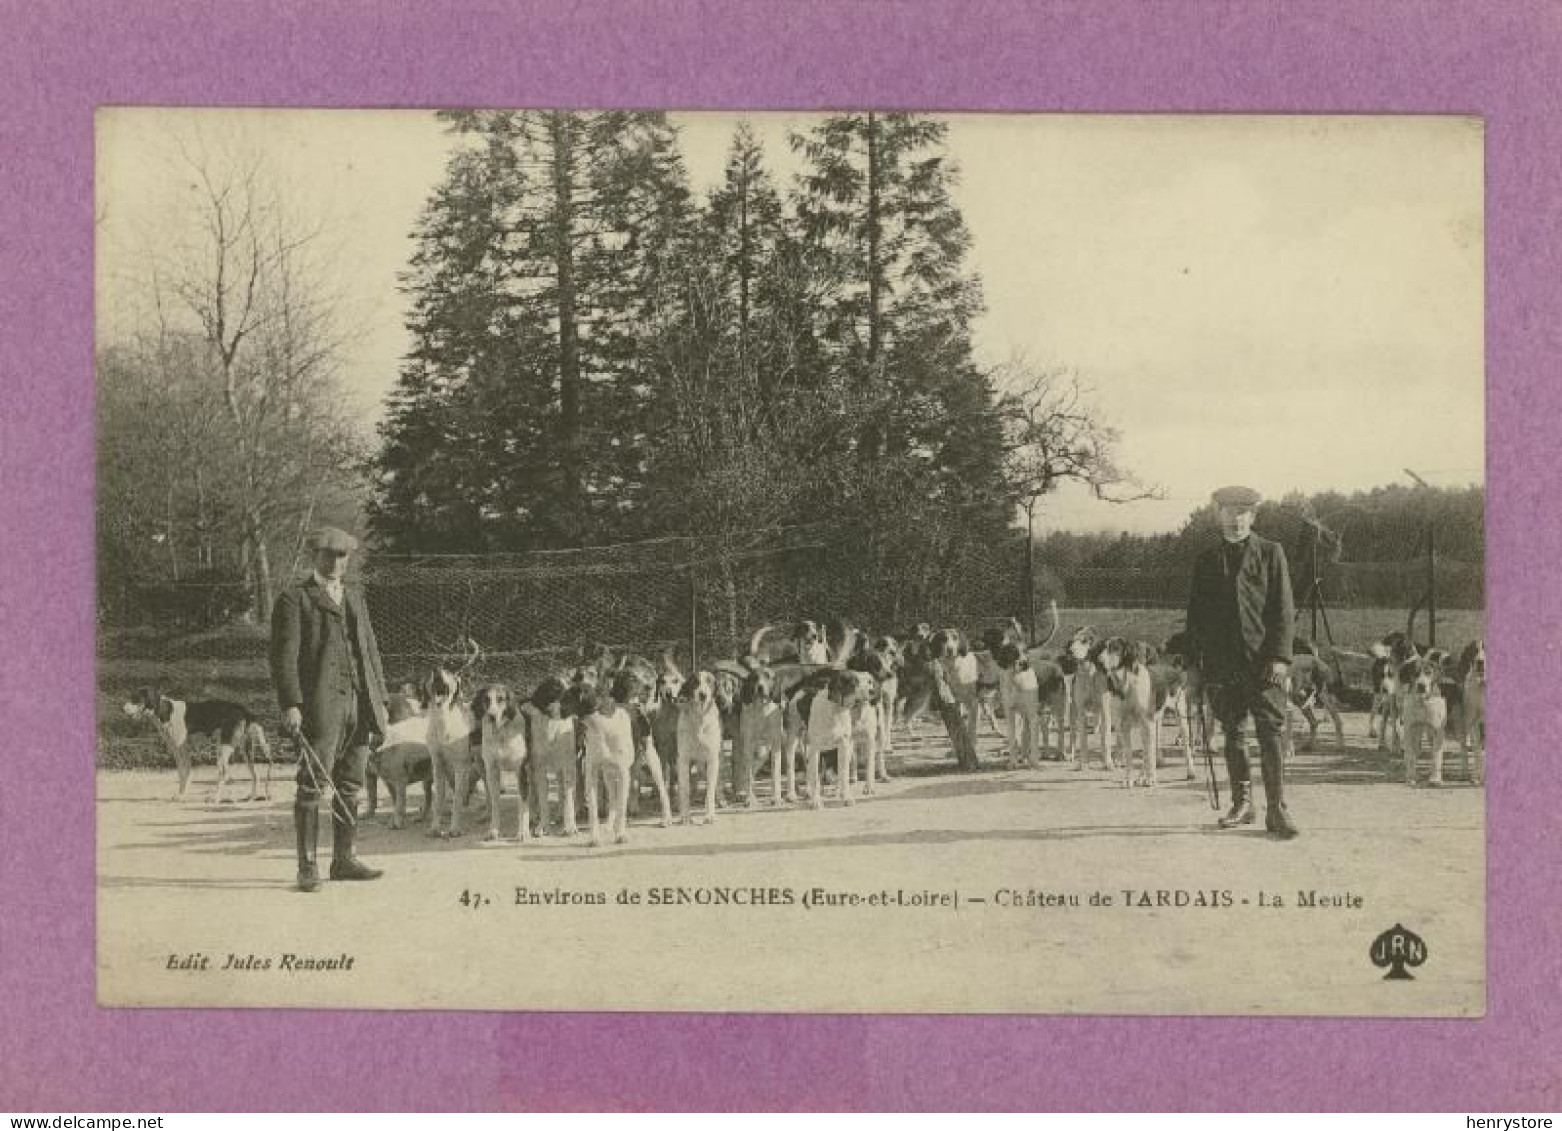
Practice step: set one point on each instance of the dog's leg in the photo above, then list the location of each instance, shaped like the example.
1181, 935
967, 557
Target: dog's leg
790, 757
441, 772
181, 755
1339, 725
653, 762
463, 790
1152, 735
523, 776
491, 786
1439, 743
398, 802
684, 785
815, 793
886, 739
1011, 723
712, 782
246, 744
567, 776
1410, 739
984, 707
258, 737
224, 753
539, 800
594, 777
1107, 732
617, 792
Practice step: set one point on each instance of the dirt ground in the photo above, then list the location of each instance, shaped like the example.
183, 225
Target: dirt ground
1047, 890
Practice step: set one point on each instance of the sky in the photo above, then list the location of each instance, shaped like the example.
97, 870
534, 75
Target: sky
1290, 303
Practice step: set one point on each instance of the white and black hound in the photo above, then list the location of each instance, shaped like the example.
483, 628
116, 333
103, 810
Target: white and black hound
229, 725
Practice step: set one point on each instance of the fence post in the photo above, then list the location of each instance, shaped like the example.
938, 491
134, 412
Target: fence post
694, 623
1030, 568
1431, 559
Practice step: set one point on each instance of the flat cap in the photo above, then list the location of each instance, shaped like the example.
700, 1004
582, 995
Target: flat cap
330, 538
1236, 497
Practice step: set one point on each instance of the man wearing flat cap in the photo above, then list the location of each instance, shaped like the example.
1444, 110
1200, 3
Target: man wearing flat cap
1241, 615
331, 688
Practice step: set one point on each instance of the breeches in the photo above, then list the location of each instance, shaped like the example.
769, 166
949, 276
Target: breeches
343, 752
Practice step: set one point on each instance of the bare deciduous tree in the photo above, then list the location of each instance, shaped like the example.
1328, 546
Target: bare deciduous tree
259, 416
1055, 433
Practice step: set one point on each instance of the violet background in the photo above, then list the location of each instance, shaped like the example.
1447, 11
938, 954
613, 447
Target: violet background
61, 58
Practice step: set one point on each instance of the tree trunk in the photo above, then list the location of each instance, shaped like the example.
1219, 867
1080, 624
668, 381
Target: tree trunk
729, 600
1030, 568
168, 519
203, 534
744, 272
878, 439
263, 585
875, 268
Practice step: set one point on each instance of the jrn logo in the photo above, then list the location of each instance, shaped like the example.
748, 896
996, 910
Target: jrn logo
1398, 948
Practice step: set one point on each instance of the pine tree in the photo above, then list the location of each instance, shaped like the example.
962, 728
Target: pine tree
875, 207
517, 419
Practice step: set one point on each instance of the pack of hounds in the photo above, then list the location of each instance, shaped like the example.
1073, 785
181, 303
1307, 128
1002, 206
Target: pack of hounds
598, 731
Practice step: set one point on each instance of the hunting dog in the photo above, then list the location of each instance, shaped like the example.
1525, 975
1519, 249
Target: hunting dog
504, 751
874, 676
454, 747
1143, 687
762, 726
1090, 692
552, 740
699, 741
401, 757
663, 713
1389, 655
610, 753
1196, 710
1315, 682
1423, 715
826, 714
914, 693
1028, 687
1472, 739
229, 726
887, 648
952, 652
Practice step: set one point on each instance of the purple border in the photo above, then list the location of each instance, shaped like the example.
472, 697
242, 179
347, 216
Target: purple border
61, 58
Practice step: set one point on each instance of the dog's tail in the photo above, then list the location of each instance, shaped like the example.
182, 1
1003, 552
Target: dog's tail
759, 638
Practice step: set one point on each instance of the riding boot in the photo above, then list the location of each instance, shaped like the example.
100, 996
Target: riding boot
306, 823
1238, 773
1241, 811
344, 826
1277, 819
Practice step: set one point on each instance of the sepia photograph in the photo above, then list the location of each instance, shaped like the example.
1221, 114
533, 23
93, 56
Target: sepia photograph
853, 562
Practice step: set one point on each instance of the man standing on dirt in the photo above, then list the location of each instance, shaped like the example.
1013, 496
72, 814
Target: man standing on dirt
331, 687
1241, 615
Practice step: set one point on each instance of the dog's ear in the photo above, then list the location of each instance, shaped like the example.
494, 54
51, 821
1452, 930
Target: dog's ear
165, 708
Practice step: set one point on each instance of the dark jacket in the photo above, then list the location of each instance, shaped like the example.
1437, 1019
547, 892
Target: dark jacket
309, 663
1236, 624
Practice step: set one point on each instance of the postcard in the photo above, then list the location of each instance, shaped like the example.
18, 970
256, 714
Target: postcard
805, 563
